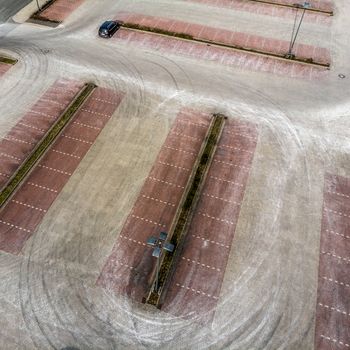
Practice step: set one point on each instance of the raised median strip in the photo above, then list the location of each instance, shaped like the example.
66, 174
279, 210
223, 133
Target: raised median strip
8, 60
292, 6
188, 37
185, 211
45, 143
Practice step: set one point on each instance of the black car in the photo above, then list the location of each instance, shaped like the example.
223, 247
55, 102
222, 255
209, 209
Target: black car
108, 28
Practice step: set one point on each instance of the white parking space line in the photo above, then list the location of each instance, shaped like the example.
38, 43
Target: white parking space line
165, 182
336, 256
201, 264
147, 220
196, 291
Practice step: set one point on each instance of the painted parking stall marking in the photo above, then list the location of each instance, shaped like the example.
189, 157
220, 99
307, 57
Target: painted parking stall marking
209, 239
228, 37
225, 56
129, 267
20, 217
59, 10
275, 11
333, 293
21, 140
4, 68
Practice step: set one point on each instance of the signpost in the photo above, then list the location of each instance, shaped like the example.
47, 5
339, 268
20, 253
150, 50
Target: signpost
159, 244
37, 3
303, 6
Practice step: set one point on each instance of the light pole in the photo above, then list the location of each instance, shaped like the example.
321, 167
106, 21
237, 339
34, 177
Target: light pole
37, 3
159, 244
293, 38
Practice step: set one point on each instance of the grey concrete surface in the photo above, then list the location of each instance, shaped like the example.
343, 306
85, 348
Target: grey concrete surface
10, 7
48, 293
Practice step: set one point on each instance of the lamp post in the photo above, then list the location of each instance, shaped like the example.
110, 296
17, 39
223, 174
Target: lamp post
159, 244
293, 38
37, 4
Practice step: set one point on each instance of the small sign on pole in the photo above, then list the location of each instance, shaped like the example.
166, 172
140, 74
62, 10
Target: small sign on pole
159, 244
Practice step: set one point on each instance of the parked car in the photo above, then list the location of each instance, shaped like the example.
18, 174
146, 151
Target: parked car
108, 28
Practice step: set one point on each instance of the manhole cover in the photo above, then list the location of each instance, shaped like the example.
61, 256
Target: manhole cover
341, 76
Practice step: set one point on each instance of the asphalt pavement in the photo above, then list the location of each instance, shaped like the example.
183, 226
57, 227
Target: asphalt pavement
268, 296
10, 7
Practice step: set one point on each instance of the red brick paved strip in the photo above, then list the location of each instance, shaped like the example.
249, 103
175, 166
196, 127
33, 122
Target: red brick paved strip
4, 68
60, 9
227, 37
20, 141
333, 294
218, 54
196, 284
275, 11
130, 265
21, 216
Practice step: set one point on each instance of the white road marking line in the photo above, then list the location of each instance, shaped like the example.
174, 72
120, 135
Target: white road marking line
230, 164
42, 187
201, 264
28, 205
165, 182
76, 139
197, 291
228, 181
236, 148
105, 101
52, 101
94, 112
87, 126
31, 127
220, 198
339, 194
334, 309
57, 89
338, 234
55, 170
147, 220
239, 134
335, 341
180, 150
65, 154
15, 226
208, 240
337, 212
336, 256
336, 282
10, 138
191, 123
158, 200
173, 166
43, 114
133, 240
126, 265
186, 136
10, 156
216, 218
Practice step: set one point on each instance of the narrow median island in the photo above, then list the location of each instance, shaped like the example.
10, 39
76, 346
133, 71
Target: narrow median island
8, 60
185, 210
292, 6
45, 143
188, 37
